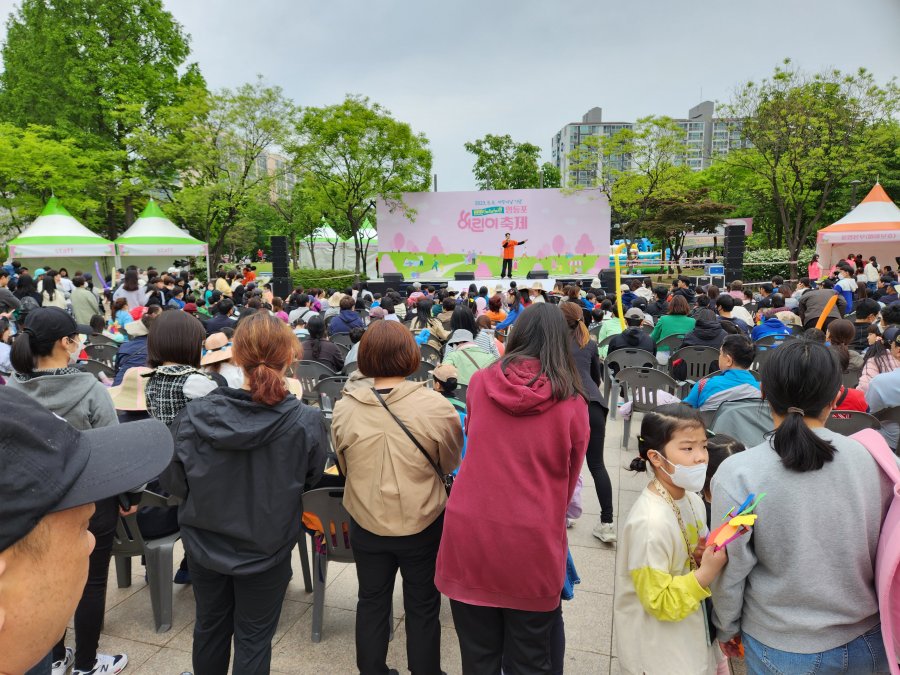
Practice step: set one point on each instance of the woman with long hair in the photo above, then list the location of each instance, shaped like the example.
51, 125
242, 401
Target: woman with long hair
463, 319
51, 296
437, 334
878, 359
131, 290
502, 559
395, 495
771, 595
814, 270
43, 357
26, 288
840, 334
587, 360
242, 486
318, 348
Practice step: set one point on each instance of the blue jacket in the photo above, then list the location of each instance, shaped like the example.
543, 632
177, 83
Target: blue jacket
627, 298
344, 321
770, 326
510, 318
131, 354
731, 385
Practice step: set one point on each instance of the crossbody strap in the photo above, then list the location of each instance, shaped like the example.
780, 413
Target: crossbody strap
469, 356
435, 466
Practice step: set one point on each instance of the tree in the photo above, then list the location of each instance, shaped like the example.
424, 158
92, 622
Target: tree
300, 218
99, 71
810, 134
503, 164
673, 217
356, 152
552, 175
656, 150
221, 145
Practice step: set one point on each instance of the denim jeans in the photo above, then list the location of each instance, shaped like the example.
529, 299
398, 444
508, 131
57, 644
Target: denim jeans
863, 656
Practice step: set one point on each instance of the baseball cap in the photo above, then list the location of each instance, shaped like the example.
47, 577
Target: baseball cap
445, 372
460, 335
377, 313
634, 313
47, 465
52, 323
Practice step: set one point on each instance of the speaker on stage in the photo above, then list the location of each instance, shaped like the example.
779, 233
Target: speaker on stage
735, 245
282, 286
537, 274
393, 277
608, 281
464, 276
280, 261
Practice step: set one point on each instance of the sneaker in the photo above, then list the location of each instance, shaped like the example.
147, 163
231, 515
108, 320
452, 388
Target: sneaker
105, 665
605, 532
569, 523
182, 576
62, 667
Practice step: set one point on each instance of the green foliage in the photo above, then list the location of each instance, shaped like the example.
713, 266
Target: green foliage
552, 175
355, 152
504, 164
313, 278
774, 262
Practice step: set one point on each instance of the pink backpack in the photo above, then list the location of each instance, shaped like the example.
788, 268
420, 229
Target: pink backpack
887, 561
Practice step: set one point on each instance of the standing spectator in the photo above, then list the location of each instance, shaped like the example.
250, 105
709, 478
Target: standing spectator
242, 487
43, 357
872, 273
510, 498
814, 270
770, 595
813, 303
51, 296
394, 494
84, 303
131, 290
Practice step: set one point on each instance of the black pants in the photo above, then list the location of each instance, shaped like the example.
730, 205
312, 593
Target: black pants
506, 269
493, 637
377, 561
594, 459
92, 606
558, 643
246, 607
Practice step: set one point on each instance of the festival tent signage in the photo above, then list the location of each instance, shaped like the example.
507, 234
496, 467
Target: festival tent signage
152, 234
872, 228
57, 234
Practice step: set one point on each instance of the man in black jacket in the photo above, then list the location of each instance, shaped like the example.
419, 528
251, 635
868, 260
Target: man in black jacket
659, 306
633, 337
222, 319
867, 311
683, 288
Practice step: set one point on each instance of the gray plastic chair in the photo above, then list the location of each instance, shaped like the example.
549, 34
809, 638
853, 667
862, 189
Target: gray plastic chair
847, 422
423, 374
103, 353
330, 390
309, 373
670, 343
327, 505
623, 358
700, 361
430, 355
595, 332
642, 385
772, 340
158, 557
762, 357
101, 340
850, 379
747, 420
350, 368
96, 368
342, 339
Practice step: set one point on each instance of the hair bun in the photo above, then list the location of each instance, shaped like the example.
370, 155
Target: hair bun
638, 464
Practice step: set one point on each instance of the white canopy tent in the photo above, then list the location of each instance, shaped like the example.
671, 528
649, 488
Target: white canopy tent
872, 228
153, 235
57, 234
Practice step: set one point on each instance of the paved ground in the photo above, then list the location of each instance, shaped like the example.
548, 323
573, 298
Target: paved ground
588, 618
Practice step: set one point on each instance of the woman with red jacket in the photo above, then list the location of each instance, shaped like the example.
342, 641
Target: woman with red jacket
502, 558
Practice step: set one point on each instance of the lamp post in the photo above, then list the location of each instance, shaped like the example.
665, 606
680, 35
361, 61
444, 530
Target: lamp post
853, 184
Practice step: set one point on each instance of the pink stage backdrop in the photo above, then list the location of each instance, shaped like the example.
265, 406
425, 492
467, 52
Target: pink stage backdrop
464, 230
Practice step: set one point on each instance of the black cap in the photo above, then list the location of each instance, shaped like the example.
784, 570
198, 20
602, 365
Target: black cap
47, 465
50, 324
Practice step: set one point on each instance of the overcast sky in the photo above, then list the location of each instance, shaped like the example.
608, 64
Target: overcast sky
459, 69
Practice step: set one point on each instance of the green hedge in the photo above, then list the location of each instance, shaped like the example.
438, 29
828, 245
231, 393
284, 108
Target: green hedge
775, 260
313, 278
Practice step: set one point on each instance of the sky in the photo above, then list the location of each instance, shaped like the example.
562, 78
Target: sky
460, 69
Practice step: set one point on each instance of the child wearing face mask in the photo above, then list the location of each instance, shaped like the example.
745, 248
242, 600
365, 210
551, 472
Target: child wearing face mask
660, 619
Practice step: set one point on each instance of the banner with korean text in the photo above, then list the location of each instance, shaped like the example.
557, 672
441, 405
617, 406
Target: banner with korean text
431, 235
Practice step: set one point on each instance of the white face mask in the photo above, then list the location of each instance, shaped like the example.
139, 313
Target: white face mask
73, 356
692, 478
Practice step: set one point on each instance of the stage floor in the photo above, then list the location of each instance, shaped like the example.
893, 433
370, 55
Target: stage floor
492, 284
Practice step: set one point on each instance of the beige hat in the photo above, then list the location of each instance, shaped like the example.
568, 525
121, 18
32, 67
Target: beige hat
135, 328
499, 288
537, 286
595, 283
130, 394
335, 300
444, 372
216, 348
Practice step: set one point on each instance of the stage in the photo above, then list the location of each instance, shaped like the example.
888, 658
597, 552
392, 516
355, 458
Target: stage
583, 280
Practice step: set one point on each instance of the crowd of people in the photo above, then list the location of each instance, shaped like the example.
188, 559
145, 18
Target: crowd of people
447, 481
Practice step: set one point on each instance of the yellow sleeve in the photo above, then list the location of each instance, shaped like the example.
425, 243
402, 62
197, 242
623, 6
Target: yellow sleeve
666, 597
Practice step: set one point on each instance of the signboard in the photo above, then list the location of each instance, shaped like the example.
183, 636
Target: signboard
434, 234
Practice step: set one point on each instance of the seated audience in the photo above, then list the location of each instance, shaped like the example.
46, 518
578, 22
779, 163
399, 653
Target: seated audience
733, 381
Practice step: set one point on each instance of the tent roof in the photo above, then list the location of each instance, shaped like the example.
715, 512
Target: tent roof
874, 213
153, 227
57, 233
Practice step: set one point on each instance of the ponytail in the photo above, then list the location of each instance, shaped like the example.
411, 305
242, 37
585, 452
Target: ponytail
266, 384
264, 346
798, 446
26, 347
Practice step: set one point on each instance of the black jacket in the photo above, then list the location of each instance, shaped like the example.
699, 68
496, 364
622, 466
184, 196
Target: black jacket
632, 338
587, 361
241, 468
861, 339
705, 334
688, 294
218, 322
657, 308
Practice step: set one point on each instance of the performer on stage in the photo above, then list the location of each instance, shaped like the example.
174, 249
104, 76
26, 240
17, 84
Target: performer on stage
509, 252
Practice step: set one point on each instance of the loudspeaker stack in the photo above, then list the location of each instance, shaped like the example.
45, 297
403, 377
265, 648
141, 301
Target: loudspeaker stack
281, 267
735, 246
538, 274
464, 276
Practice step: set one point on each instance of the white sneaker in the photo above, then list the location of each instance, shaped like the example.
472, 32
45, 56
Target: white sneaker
105, 665
62, 667
605, 532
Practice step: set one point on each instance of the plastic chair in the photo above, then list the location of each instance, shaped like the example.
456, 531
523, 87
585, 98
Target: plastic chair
847, 422
101, 340
343, 348
423, 374
309, 373
460, 392
643, 384
328, 321
350, 368
329, 390
670, 343
762, 357
327, 505
850, 379
891, 416
747, 420
342, 339
770, 341
103, 353
97, 368
430, 355
623, 358
700, 361
158, 556
595, 332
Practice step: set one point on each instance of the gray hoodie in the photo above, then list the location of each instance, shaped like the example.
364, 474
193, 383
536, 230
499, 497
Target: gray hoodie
77, 397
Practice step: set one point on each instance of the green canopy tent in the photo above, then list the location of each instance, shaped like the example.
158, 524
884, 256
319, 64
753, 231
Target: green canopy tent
153, 235
57, 234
